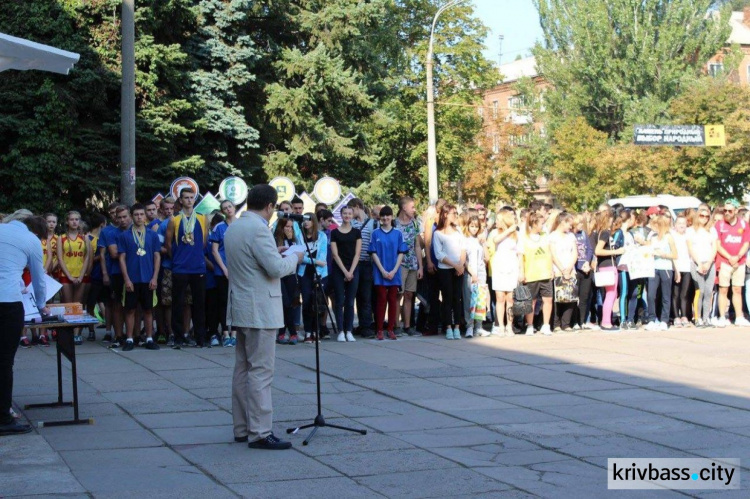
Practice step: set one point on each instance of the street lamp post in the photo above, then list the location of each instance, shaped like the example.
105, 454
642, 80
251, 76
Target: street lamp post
432, 175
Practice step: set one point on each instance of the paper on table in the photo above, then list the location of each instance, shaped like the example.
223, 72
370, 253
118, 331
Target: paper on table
294, 249
29, 300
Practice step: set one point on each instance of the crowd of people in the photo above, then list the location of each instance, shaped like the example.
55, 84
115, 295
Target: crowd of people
454, 271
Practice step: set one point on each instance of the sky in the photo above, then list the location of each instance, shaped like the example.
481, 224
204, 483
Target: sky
517, 20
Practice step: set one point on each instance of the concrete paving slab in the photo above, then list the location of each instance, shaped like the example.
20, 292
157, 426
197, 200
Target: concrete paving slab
113, 440
135, 459
385, 462
195, 435
184, 419
333, 488
434, 483
156, 401
258, 465
123, 482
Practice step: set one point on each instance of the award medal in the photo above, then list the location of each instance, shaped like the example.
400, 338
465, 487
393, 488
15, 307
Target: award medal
140, 241
188, 226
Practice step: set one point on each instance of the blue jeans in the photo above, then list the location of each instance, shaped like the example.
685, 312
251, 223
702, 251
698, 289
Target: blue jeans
662, 280
345, 293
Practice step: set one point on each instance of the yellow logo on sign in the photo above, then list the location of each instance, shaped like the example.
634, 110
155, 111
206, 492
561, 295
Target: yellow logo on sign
715, 136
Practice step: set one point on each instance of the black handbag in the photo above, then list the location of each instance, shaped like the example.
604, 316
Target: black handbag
522, 301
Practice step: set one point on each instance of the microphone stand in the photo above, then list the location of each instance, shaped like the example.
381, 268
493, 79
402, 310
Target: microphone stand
319, 421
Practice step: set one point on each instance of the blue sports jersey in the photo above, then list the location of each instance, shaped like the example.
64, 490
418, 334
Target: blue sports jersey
140, 268
217, 236
166, 260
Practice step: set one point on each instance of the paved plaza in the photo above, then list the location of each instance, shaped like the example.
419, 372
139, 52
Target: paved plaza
492, 417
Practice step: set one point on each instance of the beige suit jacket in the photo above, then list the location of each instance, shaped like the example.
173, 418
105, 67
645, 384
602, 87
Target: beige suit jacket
255, 268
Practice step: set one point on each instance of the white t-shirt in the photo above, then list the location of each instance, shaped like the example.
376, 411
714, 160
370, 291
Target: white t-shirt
683, 256
565, 250
448, 245
702, 242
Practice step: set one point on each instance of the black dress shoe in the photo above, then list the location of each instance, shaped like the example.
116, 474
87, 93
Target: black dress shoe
270, 443
240, 439
15, 428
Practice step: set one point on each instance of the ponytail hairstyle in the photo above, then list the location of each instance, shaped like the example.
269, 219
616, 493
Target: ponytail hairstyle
562, 218
535, 218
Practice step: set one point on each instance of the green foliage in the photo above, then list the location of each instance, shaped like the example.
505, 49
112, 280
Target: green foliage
619, 62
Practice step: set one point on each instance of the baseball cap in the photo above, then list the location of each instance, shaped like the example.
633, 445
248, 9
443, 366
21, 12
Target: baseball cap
654, 210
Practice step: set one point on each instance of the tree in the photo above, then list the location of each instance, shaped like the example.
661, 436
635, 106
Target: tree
619, 62
715, 173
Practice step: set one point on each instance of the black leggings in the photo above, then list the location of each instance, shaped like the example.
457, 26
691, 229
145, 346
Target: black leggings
222, 295
680, 295
451, 287
585, 282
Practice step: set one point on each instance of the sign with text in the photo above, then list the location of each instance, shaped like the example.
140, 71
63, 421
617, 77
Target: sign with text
680, 135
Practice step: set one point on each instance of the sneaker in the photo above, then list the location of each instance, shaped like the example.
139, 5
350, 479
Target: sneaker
293, 340
280, 339
529, 330
557, 329
399, 332
456, 333
610, 329
43, 340
392, 335
720, 322
497, 331
227, 342
448, 333
215, 341
92, 336
270, 443
482, 333
546, 330
625, 326
576, 327
78, 339
161, 339
742, 322
24, 343
652, 326
350, 337
341, 337
308, 338
151, 345
379, 336
128, 346
591, 326
470, 332
509, 331
234, 341
412, 331
107, 338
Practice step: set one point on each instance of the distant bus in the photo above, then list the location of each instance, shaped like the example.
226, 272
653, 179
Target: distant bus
676, 204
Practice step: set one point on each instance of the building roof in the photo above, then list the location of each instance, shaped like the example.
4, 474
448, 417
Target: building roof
515, 70
740, 31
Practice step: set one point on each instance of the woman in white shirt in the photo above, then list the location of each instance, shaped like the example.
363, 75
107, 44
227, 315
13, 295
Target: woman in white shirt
564, 258
450, 252
504, 238
703, 243
681, 287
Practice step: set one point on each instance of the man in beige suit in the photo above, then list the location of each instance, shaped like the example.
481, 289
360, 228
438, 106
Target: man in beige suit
255, 309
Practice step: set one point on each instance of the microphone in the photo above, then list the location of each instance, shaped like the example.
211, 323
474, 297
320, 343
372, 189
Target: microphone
290, 216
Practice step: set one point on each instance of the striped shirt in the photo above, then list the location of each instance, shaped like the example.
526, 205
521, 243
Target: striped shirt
366, 229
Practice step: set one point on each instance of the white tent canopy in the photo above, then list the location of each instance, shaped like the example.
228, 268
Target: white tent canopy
20, 54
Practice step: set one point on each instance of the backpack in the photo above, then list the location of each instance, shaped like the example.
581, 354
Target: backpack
522, 301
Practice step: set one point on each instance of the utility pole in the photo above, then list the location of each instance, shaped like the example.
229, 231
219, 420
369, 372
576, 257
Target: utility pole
500, 50
432, 175
127, 105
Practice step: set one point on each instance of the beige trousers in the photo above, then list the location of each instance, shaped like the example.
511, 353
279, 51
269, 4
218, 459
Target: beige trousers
252, 410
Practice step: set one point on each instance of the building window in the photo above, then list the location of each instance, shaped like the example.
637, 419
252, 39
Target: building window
480, 111
515, 102
495, 108
495, 143
748, 73
715, 69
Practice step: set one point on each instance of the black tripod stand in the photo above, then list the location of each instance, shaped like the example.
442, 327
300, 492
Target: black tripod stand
318, 297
